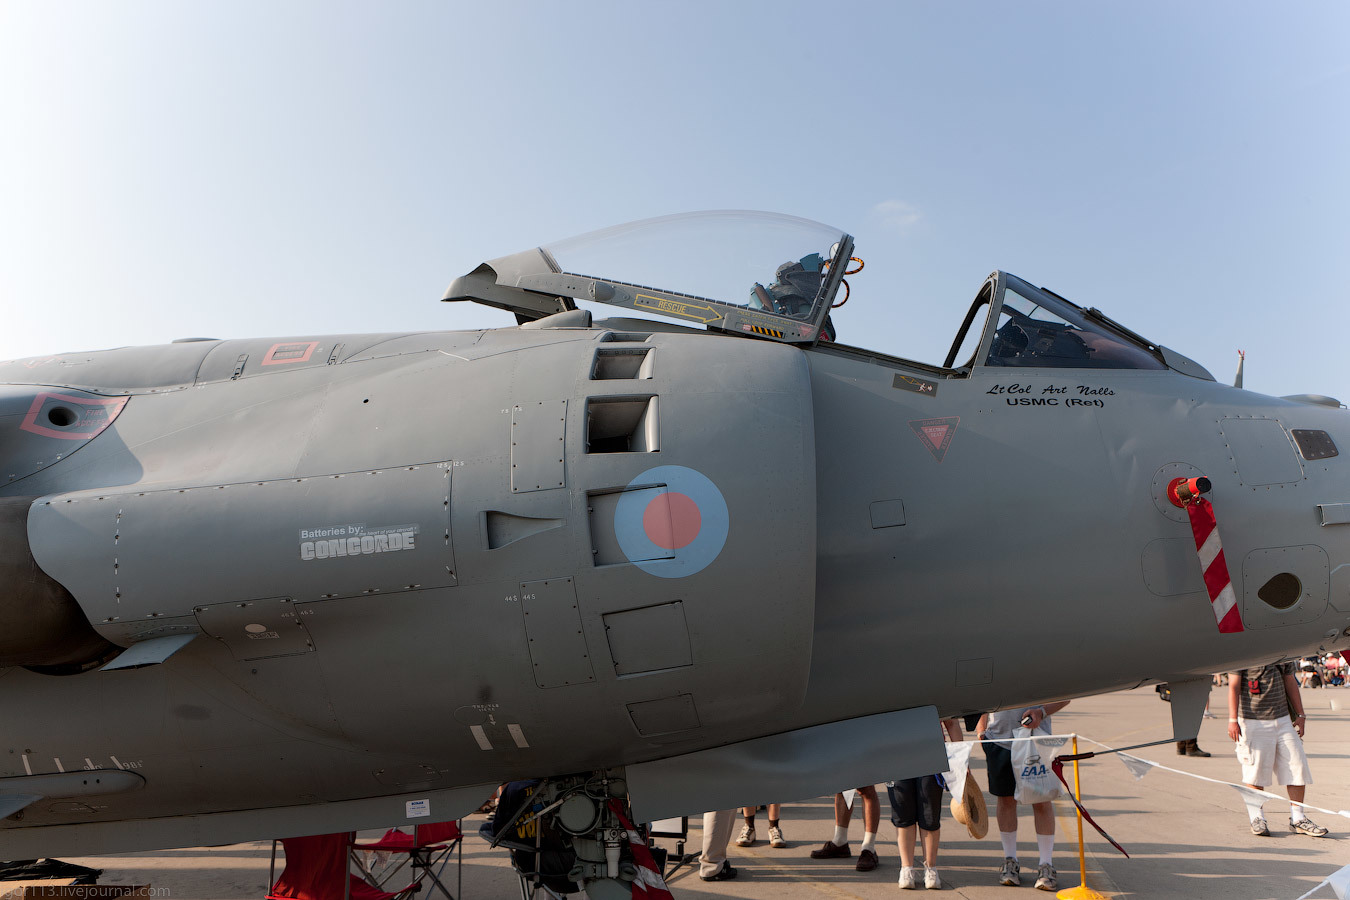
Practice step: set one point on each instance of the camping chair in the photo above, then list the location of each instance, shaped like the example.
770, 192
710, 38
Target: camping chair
678, 830
428, 847
317, 868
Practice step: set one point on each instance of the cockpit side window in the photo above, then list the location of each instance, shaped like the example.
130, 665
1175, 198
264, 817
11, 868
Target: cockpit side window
967, 342
1037, 330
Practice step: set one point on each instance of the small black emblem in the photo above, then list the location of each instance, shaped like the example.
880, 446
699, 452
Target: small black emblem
917, 385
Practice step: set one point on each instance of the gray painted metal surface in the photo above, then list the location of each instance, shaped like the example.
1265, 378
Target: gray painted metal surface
791, 766
421, 565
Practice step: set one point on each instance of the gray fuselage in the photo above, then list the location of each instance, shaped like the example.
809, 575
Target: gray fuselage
448, 560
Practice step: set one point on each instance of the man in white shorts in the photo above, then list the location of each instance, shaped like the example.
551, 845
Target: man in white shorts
1269, 742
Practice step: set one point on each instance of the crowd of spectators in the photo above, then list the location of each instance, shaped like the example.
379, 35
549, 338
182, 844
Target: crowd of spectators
1266, 723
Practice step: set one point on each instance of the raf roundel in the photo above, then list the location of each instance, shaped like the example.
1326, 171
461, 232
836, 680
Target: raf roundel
672, 521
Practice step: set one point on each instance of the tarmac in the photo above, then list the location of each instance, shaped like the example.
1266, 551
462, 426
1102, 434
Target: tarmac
1186, 838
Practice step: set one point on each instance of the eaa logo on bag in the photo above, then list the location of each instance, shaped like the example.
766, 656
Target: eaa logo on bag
1034, 768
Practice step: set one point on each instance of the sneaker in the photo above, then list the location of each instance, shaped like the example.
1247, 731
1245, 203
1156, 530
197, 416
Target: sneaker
1306, 826
1046, 879
831, 850
726, 873
867, 861
747, 836
776, 839
909, 879
931, 879
1259, 827
1011, 874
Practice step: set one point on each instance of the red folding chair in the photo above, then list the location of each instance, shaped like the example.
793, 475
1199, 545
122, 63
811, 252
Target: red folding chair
317, 869
426, 849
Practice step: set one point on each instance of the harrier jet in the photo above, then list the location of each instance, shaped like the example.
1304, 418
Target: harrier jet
291, 585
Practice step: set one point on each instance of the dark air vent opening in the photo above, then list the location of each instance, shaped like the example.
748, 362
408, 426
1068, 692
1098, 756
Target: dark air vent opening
1315, 444
504, 529
61, 416
1282, 591
621, 425
625, 336
625, 362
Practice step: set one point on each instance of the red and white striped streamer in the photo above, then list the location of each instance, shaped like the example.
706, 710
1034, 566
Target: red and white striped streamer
1212, 563
648, 885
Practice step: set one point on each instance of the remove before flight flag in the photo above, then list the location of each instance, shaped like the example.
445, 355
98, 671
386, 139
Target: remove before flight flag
1214, 566
648, 885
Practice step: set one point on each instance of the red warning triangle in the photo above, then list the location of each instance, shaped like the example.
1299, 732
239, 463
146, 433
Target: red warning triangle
936, 434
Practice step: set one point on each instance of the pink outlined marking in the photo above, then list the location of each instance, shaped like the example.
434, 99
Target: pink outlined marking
289, 349
95, 414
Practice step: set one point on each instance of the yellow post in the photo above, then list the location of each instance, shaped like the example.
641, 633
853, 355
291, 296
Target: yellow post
1082, 892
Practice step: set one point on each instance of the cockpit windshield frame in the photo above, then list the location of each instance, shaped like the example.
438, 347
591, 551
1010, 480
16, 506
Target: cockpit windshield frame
786, 300
1057, 333
1065, 334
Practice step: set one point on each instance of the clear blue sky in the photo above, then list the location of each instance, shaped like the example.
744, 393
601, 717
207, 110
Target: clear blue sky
238, 169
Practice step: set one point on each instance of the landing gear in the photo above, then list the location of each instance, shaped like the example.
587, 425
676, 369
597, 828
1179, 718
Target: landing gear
571, 833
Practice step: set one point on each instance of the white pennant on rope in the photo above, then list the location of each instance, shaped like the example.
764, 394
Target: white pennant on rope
1253, 800
1339, 881
958, 763
1138, 767
849, 796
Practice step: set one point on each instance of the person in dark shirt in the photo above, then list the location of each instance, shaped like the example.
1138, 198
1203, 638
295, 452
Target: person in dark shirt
1269, 741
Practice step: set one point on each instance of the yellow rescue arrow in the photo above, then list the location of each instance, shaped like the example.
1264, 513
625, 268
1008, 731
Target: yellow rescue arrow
666, 306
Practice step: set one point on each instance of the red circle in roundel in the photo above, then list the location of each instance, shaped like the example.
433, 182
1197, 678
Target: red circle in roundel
672, 520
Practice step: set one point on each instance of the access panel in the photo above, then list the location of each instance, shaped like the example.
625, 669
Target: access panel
151, 554
554, 633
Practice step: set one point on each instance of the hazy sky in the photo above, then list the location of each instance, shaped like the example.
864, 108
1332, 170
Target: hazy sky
234, 169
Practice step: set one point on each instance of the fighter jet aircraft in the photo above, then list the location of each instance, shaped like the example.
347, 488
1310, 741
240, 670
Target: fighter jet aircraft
267, 587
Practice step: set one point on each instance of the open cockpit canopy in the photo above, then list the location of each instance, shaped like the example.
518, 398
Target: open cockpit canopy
773, 276
737, 271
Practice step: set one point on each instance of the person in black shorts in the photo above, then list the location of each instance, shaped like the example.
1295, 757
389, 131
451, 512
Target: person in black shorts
998, 727
916, 808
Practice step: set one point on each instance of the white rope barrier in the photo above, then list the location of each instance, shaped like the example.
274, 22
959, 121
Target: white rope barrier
1242, 789
1142, 766
1339, 881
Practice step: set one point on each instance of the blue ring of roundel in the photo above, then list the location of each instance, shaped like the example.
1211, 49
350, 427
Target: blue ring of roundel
698, 554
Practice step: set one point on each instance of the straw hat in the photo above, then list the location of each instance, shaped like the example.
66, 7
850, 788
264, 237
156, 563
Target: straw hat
971, 811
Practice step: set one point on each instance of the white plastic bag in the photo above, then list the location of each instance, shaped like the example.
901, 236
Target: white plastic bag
1036, 783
